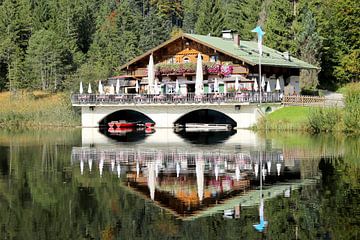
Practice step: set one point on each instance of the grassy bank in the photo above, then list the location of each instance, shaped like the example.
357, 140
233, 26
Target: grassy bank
318, 119
287, 118
37, 109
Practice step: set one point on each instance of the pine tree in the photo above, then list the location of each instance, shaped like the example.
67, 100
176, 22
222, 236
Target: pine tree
211, 19
308, 43
43, 60
190, 15
15, 30
278, 26
242, 16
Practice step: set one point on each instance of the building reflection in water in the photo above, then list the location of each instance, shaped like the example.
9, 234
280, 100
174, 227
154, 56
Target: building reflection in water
191, 183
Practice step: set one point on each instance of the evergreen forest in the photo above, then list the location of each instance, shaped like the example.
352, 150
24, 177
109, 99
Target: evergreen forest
51, 45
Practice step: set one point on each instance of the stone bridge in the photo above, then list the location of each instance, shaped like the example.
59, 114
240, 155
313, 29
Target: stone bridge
239, 110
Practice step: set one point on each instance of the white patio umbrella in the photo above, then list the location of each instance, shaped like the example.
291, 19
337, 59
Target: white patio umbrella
81, 167
117, 90
90, 164
177, 169
151, 74
216, 172
268, 88
89, 88
269, 166
112, 90
118, 169
112, 164
200, 177
100, 88
101, 165
81, 90
256, 169
278, 168
237, 172
151, 180
199, 85
156, 87
256, 86
263, 82
137, 169
216, 85
177, 86
237, 86
277, 87
137, 86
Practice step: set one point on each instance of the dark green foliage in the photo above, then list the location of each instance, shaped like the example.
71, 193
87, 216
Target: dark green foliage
278, 26
325, 119
211, 18
352, 109
242, 17
91, 38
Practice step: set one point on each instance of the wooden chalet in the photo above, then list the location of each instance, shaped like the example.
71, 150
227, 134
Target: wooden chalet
224, 58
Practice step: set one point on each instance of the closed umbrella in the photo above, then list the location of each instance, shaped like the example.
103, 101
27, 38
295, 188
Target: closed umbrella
269, 166
268, 88
216, 171
152, 180
200, 177
199, 85
137, 86
237, 86
117, 86
256, 86
89, 88
156, 87
151, 74
177, 169
118, 169
263, 82
237, 172
81, 167
277, 88
216, 85
177, 87
278, 168
100, 88
112, 164
81, 90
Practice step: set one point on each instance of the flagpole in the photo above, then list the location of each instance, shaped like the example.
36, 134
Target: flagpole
260, 77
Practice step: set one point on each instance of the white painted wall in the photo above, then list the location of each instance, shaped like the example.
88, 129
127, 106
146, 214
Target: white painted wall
164, 115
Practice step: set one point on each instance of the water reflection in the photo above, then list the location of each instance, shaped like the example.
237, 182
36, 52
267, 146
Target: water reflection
71, 184
189, 182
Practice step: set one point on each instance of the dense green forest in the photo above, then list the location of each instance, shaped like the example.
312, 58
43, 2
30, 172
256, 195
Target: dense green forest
53, 44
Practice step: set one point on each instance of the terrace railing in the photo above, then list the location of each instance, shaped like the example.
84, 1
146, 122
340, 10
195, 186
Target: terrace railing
190, 98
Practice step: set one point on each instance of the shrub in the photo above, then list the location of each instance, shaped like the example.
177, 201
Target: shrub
325, 119
352, 108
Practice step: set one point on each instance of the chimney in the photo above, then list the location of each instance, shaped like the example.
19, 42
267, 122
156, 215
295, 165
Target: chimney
227, 34
236, 39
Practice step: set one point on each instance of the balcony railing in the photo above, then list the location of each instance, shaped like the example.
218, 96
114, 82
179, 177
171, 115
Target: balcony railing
190, 98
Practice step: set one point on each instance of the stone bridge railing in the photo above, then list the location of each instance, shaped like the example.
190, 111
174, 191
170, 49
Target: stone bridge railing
190, 98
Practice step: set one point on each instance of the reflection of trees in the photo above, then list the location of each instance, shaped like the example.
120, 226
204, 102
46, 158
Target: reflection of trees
44, 197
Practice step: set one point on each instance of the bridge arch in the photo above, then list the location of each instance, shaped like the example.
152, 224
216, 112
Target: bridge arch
205, 115
128, 115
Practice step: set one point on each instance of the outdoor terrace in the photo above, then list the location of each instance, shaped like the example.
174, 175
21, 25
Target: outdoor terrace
190, 98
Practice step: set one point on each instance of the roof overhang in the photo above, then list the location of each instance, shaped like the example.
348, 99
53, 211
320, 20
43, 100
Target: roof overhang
183, 35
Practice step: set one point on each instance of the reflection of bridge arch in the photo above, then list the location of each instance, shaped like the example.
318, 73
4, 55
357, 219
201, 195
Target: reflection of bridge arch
205, 115
128, 115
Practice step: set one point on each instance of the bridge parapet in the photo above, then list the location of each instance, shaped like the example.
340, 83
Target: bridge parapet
190, 98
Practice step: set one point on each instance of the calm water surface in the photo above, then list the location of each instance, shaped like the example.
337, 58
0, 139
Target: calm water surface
91, 184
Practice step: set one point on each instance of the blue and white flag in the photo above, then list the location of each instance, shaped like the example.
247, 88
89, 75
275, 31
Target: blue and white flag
260, 35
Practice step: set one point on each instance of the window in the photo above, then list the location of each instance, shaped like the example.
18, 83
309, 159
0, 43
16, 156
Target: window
186, 59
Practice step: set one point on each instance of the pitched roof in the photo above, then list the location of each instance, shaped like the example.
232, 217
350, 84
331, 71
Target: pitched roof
247, 52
